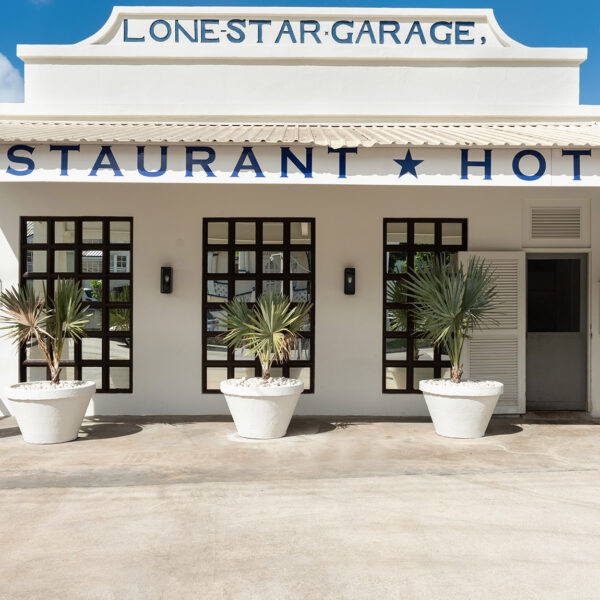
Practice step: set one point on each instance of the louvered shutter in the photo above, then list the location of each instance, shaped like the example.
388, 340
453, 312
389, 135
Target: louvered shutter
498, 352
555, 222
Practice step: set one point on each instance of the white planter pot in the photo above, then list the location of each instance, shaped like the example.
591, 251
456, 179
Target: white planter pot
461, 410
49, 416
261, 412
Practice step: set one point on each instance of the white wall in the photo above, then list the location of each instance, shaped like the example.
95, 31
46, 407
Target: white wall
288, 89
167, 231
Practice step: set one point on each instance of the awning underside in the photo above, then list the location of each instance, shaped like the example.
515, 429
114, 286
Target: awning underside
508, 135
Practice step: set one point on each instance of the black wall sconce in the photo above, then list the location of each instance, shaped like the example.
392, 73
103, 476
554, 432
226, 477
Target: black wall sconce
349, 281
166, 280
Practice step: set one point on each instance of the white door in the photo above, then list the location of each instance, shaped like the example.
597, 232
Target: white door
499, 351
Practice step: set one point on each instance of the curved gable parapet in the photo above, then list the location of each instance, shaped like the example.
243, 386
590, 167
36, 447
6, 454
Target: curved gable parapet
246, 33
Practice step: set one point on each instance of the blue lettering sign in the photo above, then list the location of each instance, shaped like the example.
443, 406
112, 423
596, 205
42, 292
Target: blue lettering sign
141, 166
20, 160
106, 152
465, 163
314, 31
190, 160
433, 32
126, 37
460, 31
366, 29
206, 30
577, 154
259, 28
334, 32
416, 29
390, 28
287, 154
179, 28
167, 30
236, 26
247, 153
517, 165
342, 152
64, 157
286, 29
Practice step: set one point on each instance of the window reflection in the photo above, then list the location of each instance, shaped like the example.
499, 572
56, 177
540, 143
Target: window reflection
273, 262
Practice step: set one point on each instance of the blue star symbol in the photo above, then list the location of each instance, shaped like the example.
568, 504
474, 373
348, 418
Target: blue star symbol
408, 164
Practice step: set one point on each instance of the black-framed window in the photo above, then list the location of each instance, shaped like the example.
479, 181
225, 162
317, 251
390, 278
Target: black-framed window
242, 258
408, 244
98, 252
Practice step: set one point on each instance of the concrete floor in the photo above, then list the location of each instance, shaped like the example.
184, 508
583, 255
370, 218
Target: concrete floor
340, 509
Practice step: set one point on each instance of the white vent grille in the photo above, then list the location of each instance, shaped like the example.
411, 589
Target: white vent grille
507, 290
555, 222
497, 359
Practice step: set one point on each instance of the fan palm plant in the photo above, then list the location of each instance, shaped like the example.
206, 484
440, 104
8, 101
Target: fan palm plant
47, 321
268, 331
449, 303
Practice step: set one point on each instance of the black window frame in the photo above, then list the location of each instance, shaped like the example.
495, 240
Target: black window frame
105, 305
231, 247
410, 335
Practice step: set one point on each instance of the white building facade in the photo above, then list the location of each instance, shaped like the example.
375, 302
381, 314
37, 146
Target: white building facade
253, 149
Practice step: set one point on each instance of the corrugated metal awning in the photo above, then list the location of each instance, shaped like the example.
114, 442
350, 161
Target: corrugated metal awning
508, 135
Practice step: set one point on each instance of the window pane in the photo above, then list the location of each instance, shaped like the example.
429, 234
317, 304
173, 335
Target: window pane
273, 262
396, 292
91, 232
423, 349
119, 319
95, 319
92, 290
302, 374
245, 291
91, 261
216, 348
452, 234
241, 354
275, 286
240, 372
214, 376
395, 378
91, 348
119, 377
395, 349
217, 261
424, 233
92, 374
245, 233
421, 374
119, 290
33, 351
120, 261
37, 232
397, 233
38, 286
67, 374
397, 262
300, 261
64, 232
36, 261
276, 372
119, 349
423, 260
217, 291
120, 232
245, 262
300, 233
300, 291
306, 324
64, 261
68, 352
272, 233
218, 232
301, 351
36, 374
212, 320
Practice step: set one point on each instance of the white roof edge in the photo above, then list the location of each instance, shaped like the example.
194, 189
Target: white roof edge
190, 112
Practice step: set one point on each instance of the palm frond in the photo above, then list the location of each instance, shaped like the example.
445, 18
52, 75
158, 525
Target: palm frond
449, 303
268, 330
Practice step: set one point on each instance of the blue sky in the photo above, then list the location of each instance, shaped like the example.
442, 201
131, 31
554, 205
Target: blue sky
531, 22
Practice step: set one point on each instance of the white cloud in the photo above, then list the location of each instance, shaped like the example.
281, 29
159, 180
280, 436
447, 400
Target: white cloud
11, 82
